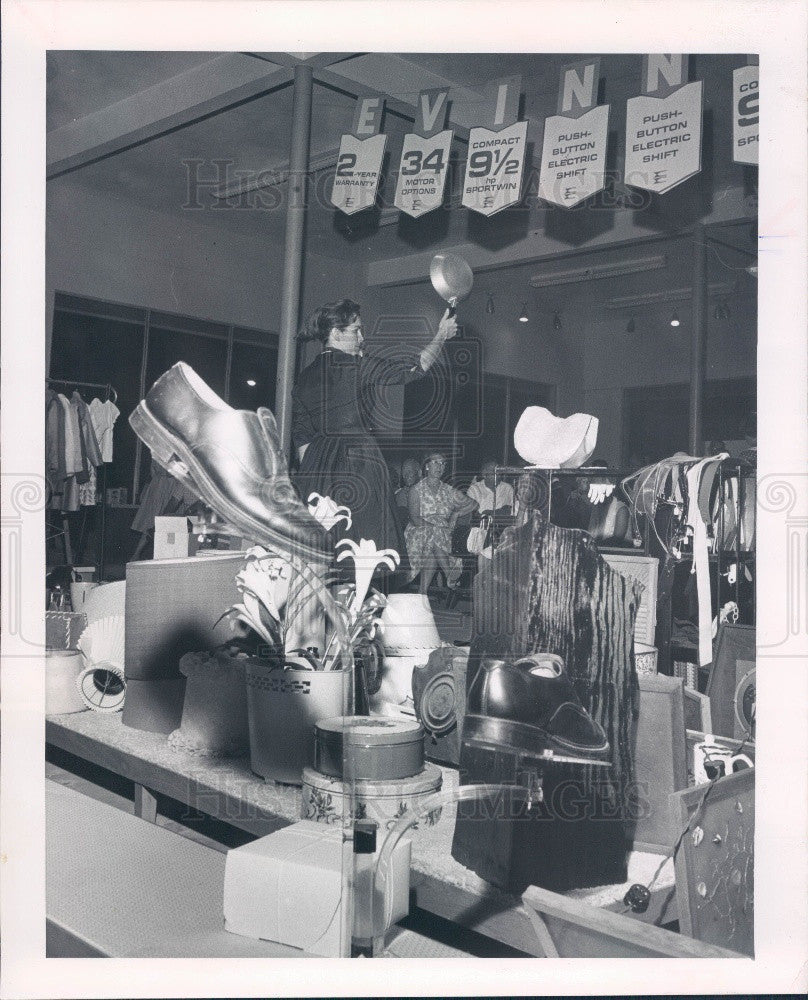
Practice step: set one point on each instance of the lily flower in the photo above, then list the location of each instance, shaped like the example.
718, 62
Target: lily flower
267, 577
243, 614
366, 558
324, 510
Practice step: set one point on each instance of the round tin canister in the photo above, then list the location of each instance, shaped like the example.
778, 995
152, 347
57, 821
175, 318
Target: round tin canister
326, 799
368, 748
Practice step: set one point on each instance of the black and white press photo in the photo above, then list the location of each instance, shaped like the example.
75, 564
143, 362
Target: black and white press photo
403, 490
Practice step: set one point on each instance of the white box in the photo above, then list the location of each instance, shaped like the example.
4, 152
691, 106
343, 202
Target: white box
287, 887
170, 537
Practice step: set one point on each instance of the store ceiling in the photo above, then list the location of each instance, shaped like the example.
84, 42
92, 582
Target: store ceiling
99, 103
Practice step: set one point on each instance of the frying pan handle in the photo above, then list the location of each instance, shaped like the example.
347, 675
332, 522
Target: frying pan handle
452, 310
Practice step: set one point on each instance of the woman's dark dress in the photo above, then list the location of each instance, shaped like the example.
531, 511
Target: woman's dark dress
337, 404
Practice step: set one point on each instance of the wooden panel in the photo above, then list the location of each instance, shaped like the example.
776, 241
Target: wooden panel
698, 716
660, 760
581, 931
715, 865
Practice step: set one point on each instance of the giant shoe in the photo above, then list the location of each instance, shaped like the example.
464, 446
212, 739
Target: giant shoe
530, 706
232, 459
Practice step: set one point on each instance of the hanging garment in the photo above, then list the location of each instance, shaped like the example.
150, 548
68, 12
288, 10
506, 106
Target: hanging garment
55, 470
83, 474
725, 515
91, 450
703, 470
547, 589
103, 416
72, 443
748, 505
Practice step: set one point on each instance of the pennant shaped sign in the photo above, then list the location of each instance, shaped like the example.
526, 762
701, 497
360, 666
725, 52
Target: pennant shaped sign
425, 156
745, 114
359, 163
663, 133
573, 161
496, 156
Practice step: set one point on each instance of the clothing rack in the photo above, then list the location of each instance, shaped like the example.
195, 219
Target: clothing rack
111, 394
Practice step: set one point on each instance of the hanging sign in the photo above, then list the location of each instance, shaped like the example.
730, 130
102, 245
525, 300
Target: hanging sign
359, 163
425, 156
496, 156
745, 114
573, 160
663, 127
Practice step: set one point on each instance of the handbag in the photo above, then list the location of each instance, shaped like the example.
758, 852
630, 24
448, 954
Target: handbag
479, 535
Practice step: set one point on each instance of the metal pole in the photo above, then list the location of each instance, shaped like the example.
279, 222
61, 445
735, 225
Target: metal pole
698, 340
293, 254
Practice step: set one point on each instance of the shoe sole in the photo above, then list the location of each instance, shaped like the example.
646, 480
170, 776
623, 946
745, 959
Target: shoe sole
176, 458
505, 734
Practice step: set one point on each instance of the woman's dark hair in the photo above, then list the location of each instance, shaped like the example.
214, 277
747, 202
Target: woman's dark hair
323, 320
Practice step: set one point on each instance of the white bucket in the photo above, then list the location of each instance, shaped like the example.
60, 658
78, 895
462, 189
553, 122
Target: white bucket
62, 669
79, 592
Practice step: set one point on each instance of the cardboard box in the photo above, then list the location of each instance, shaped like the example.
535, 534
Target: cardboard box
287, 887
170, 537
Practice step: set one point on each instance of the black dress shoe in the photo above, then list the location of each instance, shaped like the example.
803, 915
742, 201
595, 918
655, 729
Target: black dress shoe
232, 459
529, 705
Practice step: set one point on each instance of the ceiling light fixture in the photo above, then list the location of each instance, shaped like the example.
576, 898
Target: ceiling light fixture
557, 325
489, 305
674, 318
251, 383
523, 316
630, 327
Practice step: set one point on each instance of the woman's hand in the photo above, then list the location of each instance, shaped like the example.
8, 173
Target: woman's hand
447, 328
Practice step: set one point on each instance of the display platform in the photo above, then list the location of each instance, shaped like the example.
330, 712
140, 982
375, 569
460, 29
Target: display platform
227, 790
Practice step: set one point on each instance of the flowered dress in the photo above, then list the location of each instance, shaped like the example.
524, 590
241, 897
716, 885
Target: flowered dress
426, 540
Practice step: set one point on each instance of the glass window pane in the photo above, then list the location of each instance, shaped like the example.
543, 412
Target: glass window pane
253, 363
206, 355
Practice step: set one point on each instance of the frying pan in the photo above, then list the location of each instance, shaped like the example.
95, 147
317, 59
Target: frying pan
451, 278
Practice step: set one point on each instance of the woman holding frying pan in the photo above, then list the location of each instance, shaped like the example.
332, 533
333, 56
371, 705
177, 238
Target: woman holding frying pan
333, 420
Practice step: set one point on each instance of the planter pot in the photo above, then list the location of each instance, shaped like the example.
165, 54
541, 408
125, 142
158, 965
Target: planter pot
214, 711
283, 707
